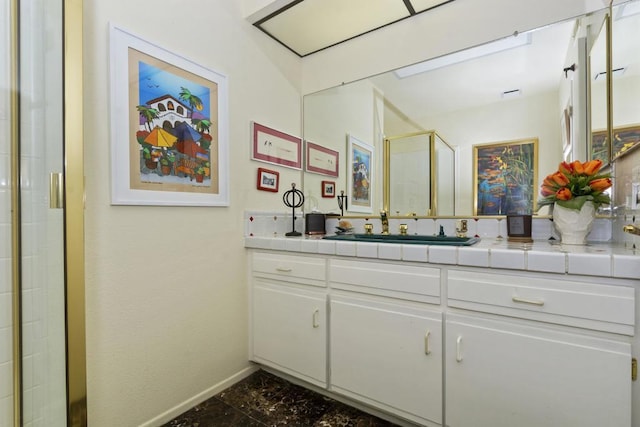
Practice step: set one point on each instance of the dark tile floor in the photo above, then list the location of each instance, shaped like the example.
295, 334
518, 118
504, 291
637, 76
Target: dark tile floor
262, 399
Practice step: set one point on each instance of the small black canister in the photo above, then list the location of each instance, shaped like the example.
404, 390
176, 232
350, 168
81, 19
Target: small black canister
314, 223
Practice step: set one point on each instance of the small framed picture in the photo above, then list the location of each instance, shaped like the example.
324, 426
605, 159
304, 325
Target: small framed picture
328, 189
268, 180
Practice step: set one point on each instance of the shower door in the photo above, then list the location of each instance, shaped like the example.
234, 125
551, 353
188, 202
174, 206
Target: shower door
34, 378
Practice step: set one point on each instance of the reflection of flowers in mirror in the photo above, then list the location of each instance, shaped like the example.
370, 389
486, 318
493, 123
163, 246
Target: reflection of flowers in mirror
575, 183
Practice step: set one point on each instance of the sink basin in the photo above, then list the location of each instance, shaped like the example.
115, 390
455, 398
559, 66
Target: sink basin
406, 239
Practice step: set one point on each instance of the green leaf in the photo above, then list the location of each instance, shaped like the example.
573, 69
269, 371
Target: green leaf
575, 203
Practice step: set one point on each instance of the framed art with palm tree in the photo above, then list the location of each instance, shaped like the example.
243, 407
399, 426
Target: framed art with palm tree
169, 127
505, 177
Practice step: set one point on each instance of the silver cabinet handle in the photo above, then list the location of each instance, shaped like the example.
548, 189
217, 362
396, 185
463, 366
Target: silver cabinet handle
527, 301
316, 313
284, 269
459, 349
427, 350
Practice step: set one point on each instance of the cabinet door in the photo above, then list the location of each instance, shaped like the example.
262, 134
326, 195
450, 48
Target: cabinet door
508, 374
388, 355
289, 330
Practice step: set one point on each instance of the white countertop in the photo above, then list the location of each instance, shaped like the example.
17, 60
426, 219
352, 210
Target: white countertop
596, 259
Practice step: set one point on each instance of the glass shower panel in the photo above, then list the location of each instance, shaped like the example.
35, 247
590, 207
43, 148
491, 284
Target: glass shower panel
6, 295
42, 247
409, 175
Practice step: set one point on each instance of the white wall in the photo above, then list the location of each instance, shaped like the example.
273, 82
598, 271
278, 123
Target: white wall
166, 286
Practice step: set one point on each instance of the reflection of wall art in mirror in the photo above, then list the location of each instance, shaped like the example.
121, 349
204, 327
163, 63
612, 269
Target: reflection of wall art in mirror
268, 180
328, 189
272, 146
169, 127
600, 147
360, 175
624, 139
505, 177
321, 160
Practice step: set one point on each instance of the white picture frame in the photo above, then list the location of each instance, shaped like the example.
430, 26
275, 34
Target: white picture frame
166, 109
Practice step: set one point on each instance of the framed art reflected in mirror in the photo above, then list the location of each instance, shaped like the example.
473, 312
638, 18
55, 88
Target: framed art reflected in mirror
600, 147
360, 175
505, 177
321, 160
624, 140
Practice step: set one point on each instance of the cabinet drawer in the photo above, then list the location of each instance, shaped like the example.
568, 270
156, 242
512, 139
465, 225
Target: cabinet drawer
290, 268
556, 300
401, 281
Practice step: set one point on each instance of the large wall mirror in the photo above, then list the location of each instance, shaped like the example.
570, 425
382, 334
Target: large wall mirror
625, 58
520, 87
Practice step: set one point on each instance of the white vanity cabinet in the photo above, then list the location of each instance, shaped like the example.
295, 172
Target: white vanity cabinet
449, 345
505, 371
385, 350
289, 315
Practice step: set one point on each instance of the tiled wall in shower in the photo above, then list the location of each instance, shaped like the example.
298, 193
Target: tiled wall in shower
6, 365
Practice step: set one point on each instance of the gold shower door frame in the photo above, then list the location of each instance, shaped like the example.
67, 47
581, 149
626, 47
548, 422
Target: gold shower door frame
73, 205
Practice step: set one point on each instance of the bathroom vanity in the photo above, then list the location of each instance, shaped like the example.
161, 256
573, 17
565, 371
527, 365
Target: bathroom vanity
453, 335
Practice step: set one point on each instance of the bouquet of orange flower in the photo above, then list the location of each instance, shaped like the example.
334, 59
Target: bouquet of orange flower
575, 183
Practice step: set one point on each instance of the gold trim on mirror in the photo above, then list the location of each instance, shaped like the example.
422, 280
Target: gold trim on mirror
609, 82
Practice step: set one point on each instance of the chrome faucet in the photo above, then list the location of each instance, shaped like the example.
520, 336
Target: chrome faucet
632, 229
385, 222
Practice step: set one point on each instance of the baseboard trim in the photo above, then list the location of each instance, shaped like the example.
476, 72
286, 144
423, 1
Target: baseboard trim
172, 413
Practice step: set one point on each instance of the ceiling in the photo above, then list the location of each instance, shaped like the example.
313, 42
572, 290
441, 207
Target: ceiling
481, 77
309, 26
526, 64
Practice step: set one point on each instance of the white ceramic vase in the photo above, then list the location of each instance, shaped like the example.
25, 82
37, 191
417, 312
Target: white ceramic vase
574, 225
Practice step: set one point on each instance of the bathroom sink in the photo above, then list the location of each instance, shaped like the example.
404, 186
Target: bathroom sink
410, 239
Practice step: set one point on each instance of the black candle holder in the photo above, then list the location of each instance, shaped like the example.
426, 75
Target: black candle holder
293, 199
342, 203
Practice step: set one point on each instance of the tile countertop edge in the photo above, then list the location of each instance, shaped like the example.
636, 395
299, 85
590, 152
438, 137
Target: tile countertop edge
539, 257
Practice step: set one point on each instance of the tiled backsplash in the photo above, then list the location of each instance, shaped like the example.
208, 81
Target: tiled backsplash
276, 224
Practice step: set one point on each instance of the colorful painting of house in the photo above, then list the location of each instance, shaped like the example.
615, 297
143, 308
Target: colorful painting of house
173, 130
